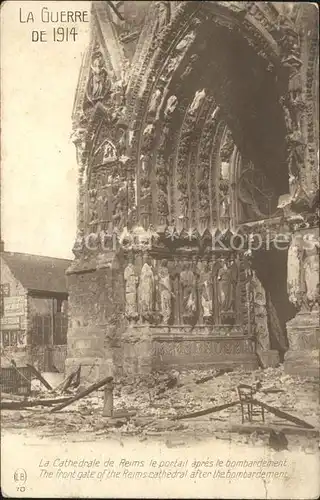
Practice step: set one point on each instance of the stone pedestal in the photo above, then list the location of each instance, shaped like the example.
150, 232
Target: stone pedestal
302, 358
269, 358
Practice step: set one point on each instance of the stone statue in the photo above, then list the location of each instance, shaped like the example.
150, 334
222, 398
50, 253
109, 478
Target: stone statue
293, 272
148, 131
260, 313
155, 102
186, 41
146, 291
171, 105
163, 14
188, 293
187, 72
118, 216
109, 152
131, 283
206, 287
198, 98
99, 83
226, 282
224, 212
94, 216
311, 276
165, 292
118, 92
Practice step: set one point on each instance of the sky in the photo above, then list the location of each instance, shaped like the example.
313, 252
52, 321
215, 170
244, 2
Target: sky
38, 160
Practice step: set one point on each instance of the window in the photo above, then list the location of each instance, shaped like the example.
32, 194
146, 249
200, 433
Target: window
41, 329
9, 338
5, 289
60, 330
4, 292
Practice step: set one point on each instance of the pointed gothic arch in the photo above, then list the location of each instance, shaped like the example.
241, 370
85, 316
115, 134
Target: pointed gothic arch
206, 112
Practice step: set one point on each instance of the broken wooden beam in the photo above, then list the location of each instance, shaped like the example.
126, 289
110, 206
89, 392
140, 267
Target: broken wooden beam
20, 405
204, 379
82, 394
213, 409
13, 397
67, 382
283, 414
38, 375
271, 390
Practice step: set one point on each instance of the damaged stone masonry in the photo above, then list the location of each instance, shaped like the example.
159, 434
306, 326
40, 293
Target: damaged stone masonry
195, 122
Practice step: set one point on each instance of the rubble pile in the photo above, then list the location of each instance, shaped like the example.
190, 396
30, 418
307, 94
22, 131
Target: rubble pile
150, 405
171, 394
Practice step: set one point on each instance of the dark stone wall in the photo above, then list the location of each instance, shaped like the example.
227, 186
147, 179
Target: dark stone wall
96, 305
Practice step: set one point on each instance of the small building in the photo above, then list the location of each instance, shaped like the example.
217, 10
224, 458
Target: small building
34, 310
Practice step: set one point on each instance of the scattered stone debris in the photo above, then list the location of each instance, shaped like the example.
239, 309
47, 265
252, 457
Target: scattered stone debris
174, 404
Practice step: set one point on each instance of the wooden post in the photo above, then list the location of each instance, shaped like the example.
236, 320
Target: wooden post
108, 400
86, 392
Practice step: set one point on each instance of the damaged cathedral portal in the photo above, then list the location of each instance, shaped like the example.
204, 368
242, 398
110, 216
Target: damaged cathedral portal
196, 129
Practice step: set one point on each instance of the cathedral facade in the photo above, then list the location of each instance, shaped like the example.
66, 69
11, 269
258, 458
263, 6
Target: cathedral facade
196, 133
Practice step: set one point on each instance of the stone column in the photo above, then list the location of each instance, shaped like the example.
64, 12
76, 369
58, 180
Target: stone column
96, 310
303, 330
137, 350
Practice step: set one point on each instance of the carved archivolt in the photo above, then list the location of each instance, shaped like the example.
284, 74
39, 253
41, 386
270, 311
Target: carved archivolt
151, 136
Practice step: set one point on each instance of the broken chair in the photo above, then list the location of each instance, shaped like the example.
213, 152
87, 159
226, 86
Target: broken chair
249, 408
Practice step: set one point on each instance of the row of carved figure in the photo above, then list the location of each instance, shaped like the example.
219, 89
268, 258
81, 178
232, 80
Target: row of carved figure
156, 294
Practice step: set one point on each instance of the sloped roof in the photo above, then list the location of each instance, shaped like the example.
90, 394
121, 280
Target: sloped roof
38, 273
